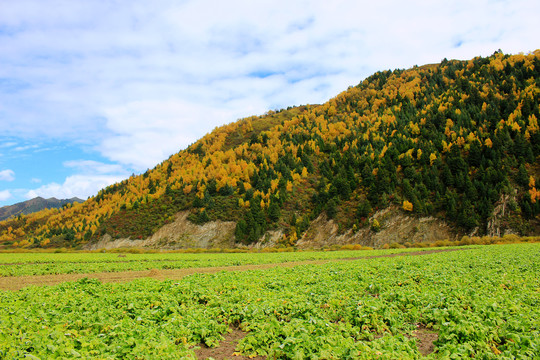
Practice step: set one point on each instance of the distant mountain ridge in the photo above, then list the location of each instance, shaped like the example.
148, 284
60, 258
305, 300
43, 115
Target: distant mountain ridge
34, 205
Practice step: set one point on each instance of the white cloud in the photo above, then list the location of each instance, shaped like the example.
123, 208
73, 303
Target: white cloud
94, 167
7, 175
91, 176
26, 147
139, 139
140, 81
5, 195
7, 144
81, 186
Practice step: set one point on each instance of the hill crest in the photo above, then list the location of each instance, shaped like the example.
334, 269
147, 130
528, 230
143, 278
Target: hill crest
450, 140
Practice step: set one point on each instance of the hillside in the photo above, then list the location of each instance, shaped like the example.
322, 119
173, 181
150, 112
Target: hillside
34, 205
457, 142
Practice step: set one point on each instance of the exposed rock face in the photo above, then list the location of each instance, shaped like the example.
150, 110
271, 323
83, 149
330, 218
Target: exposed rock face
396, 227
270, 239
495, 224
181, 234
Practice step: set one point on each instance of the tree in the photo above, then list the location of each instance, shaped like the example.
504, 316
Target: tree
203, 217
363, 210
432, 158
226, 190
467, 217
375, 226
331, 209
341, 187
407, 188
241, 230
274, 212
522, 177
407, 206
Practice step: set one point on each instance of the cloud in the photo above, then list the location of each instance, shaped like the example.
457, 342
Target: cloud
140, 82
7, 175
139, 139
7, 144
81, 186
26, 147
91, 176
94, 167
5, 195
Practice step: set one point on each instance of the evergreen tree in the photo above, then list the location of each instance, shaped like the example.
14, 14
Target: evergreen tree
522, 177
274, 212
364, 209
331, 209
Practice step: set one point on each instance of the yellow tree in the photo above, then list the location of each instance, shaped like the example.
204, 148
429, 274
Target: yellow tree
407, 206
432, 158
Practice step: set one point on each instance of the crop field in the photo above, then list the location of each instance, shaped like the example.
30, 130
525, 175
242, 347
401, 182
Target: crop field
21, 264
481, 303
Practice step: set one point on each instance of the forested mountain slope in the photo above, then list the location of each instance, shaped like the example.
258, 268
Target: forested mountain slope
457, 140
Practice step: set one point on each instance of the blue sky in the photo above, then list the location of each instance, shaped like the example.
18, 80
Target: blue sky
93, 91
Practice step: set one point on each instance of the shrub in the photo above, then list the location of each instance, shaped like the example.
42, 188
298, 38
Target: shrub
510, 238
375, 226
465, 240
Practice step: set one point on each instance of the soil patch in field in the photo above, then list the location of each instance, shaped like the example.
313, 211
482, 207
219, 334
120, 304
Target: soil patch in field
425, 339
226, 349
412, 253
154, 273
19, 282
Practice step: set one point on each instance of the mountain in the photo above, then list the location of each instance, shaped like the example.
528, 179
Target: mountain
456, 142
34, 205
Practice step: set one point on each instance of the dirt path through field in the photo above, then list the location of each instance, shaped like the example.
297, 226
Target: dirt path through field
19, 282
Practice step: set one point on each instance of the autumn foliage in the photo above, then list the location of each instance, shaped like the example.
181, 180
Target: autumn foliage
447, 140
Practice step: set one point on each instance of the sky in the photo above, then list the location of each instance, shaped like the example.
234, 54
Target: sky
94, 91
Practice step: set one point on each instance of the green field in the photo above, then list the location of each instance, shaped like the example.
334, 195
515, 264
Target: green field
481, 303
20, 264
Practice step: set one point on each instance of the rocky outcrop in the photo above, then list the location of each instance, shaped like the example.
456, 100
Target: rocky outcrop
496, 225
395, 227
180, 234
